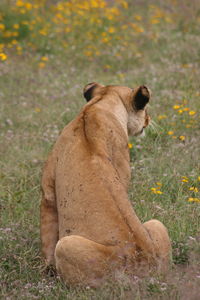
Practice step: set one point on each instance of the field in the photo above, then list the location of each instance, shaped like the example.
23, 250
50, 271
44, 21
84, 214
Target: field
49, 50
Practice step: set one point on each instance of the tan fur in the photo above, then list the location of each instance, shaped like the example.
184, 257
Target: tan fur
88, 226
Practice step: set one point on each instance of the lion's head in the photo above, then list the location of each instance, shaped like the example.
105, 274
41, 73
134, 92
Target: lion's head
134, 101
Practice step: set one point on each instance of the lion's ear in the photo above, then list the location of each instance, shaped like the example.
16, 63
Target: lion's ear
88, 90
141, 97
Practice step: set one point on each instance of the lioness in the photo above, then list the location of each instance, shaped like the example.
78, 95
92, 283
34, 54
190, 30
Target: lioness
88, 225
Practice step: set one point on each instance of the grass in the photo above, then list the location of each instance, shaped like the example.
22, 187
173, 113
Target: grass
41, 82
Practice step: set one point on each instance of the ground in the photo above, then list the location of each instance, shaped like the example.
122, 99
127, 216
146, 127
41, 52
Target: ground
49, 51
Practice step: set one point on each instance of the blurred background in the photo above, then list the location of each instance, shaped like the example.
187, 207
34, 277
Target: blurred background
49, 50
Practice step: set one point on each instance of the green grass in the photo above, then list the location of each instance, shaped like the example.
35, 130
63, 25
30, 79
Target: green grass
36, 103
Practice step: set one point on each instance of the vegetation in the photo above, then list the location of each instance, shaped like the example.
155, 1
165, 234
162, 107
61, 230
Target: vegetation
48, 51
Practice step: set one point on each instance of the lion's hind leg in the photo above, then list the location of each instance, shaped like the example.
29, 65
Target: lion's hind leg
161, 242
82, 261
48, 215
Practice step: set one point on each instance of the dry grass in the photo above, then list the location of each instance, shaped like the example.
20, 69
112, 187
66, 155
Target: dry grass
36, 102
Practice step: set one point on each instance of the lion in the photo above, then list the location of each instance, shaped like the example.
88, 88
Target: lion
89, 228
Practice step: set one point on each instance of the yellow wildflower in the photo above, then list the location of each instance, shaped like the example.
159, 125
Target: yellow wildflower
22, 11
190, 199
41, 65
194, 189
115, 11
19, 49
192, 112
180, 111
156, 190
137, 28
105, 40
111, 29
15, 33
2, 27
199, 178
28, 6
159, 192
88, 53
14, 42
43, 31
170, 132
16, 26
44, 58
7, 34
138, 17
130, 145
184, 180
124, 4
160, 117
193, 200
121, 75
19, 3
67, 29
3, 56
154, 21
176, 106
182, 137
